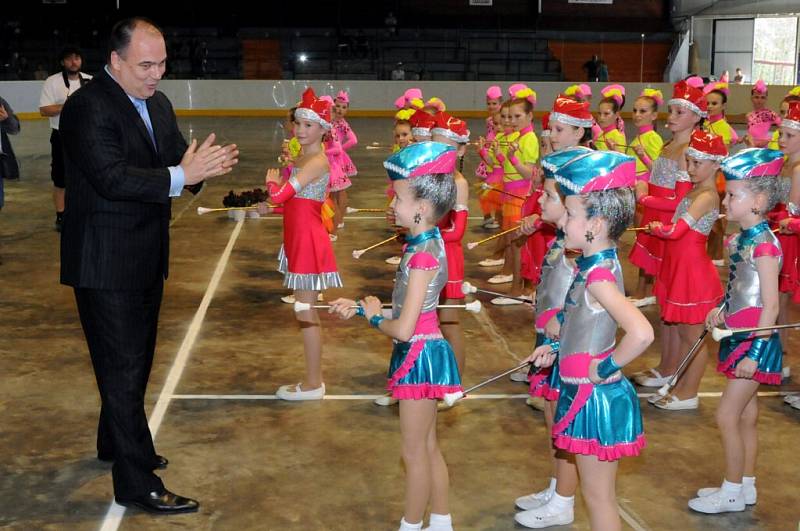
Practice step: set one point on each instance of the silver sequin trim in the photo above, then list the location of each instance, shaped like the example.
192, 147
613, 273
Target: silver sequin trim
449, 134
569, 120
617, 376
702, 155
791, 124
306, 282
688, 105
304, 113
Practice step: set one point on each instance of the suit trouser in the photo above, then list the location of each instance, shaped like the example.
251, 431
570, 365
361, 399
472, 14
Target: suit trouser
120, 329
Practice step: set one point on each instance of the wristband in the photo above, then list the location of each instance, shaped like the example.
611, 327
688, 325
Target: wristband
360, 311
375, 320
757, 348
500, 158
554, 344
607, 367
513, 160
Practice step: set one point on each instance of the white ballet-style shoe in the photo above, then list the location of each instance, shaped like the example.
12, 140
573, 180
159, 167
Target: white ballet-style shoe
439, 522
385, 401
492, 262
536, 402
650, 378
749, 491
673, 403
393, 260
645, 301
501, 279
296, 394
289, 299
505, 301
547, 515
792, 398
718, 502
535, 500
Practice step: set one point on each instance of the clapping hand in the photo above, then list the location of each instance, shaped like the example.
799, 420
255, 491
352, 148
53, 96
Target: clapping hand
3, 113
208, 160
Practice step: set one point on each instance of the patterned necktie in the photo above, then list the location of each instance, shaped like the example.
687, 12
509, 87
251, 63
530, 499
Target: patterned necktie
141, 106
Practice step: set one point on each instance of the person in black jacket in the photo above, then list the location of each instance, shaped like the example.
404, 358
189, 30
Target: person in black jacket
9, 125
125, 158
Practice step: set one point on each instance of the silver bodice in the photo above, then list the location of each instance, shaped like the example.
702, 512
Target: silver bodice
744, 289
556, 277
433, 246
702, 225
588, 327
666, 173
784, 187
315, 190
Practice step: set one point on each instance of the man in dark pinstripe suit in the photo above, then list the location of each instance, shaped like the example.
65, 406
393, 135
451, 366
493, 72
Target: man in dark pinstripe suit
125, 159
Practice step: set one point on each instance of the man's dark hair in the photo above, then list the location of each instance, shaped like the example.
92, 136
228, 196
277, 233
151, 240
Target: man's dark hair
122, 32
66, 51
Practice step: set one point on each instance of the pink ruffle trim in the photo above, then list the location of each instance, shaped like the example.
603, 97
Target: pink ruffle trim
766, 378
545, 391
733, 358
603, 453
422, 391
408, 363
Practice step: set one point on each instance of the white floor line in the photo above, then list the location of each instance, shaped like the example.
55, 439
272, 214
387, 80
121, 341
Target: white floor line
478, 396
116, 512
631, 518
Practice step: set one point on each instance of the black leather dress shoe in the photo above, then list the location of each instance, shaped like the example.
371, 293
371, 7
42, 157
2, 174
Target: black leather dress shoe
160, 464
161, 502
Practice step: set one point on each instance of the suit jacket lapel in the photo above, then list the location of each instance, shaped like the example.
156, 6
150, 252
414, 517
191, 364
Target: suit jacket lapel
126, 106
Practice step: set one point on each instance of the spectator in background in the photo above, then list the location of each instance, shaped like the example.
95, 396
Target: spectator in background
40, 74
591, 66
57, 88
9, 125
602, 71
391, 24
739, 77
398, 74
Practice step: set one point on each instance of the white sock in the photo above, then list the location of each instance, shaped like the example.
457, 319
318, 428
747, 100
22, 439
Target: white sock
405, 526
443, 520
561, 503
552, 487
749, 481
731, 488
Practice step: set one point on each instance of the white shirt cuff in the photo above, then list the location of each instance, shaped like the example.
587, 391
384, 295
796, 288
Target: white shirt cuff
176, 180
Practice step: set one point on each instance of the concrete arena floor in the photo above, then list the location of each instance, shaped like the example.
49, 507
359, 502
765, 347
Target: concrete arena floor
258, 463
